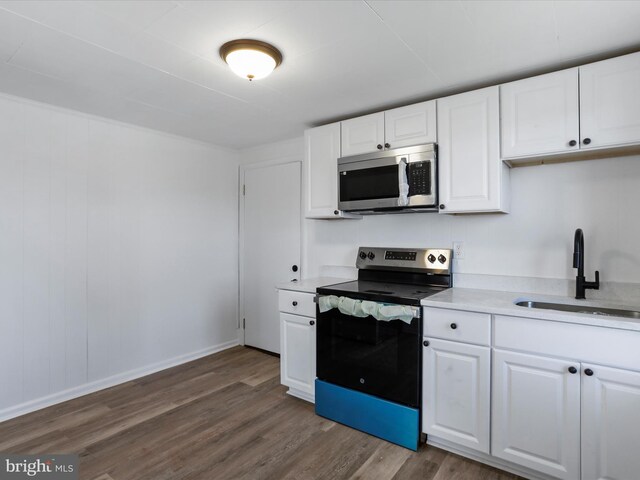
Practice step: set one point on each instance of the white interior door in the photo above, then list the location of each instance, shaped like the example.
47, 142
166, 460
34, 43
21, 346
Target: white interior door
270, 248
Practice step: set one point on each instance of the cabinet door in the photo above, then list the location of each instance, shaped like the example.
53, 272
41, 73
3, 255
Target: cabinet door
540, 115
535, 419
363, 134
411, 125
610, 102
472, 177
322, 149
455, 393
298, 347
610, 424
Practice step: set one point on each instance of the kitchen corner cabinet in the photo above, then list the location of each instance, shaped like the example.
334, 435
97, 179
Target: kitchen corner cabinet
456, 377
591, 107
297, 343
321, 150
472, 176
396, 128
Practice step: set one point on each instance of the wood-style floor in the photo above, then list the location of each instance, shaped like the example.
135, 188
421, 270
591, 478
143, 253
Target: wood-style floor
225, 416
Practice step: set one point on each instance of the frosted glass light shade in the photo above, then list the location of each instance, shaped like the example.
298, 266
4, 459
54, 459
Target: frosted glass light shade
250, 59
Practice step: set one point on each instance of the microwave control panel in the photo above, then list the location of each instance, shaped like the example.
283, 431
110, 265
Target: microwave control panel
419, 178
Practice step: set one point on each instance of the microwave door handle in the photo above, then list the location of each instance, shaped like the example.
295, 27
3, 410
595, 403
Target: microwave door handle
403, 183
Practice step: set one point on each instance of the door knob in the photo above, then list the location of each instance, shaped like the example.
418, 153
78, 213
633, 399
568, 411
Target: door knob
573, 370
572, 143
588, 372
386, 145
294, 268
379, 147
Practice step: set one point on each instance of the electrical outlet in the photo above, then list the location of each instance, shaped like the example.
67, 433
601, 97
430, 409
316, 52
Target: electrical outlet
458, 250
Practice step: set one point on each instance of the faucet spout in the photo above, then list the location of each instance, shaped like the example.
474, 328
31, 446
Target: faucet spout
578, 251
578, 262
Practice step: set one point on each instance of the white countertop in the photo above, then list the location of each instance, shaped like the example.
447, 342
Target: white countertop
309, 285
503, 303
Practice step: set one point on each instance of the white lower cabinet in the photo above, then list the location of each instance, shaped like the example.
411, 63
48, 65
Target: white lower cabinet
536, 413
297, 342
456, 393
610, 423
298, 357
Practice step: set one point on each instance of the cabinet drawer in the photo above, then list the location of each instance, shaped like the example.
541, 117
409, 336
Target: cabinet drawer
606, 346
457, 325
298, 303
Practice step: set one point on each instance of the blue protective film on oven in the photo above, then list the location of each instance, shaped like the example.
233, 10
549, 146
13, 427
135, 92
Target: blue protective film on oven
390, 421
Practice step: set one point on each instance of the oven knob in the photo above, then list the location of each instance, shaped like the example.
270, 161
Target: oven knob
362, 380
371, 255
431, 258
363, 255
442, 258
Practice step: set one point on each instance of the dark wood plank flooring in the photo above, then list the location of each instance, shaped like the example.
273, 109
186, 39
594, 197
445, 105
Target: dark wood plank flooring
225, 416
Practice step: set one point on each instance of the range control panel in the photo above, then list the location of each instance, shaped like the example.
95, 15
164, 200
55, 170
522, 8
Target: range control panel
396, 255
436, 260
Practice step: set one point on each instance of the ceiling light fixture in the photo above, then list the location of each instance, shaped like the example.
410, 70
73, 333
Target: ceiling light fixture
250, 59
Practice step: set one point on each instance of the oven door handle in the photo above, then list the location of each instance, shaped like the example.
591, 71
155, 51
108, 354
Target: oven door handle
414, 310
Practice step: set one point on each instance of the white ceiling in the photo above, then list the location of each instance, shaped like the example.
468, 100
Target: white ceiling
156, 63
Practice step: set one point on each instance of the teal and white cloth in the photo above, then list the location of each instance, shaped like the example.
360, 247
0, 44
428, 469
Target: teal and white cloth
365, 308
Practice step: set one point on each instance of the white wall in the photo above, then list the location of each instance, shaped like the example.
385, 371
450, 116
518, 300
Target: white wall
118, 251
535, 240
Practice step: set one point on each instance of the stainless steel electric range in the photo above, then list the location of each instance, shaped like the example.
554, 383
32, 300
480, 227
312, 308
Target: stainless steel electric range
369, 341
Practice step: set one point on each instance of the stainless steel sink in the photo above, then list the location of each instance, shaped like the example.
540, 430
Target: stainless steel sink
608, 312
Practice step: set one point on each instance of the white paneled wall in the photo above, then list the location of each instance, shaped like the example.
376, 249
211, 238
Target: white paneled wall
118, 252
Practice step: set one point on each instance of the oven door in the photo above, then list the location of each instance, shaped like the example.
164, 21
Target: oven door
381, 358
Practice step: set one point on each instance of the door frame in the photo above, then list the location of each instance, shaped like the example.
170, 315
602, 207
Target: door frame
243, 168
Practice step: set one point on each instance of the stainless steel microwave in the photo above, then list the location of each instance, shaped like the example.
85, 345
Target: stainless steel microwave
391, 181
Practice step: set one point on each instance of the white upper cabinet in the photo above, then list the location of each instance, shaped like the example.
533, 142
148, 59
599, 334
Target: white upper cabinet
472, 176
321, 152
363, 134
610, 102
595, 106
400, 127
322, 149
411, 125
540, 115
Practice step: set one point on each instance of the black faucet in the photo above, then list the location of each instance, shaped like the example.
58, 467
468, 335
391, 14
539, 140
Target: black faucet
578, 262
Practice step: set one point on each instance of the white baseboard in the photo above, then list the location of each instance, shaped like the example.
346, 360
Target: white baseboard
487, 459
302, 395
80, 390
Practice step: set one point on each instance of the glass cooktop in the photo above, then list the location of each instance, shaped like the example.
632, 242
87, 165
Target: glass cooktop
400, 293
